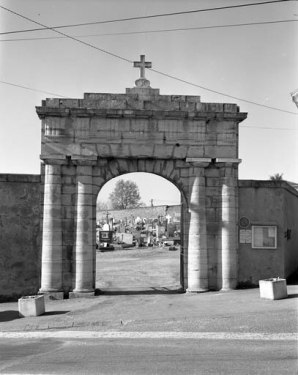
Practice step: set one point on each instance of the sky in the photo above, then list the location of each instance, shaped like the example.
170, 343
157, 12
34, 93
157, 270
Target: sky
253, 63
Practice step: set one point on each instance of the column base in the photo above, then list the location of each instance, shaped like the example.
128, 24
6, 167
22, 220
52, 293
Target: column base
229, 285
75, 294
52, 295
199, 290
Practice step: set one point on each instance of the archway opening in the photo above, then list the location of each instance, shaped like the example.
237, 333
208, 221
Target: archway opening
139, 243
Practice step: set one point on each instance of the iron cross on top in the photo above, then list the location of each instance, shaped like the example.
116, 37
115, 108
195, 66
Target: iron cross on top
142, 65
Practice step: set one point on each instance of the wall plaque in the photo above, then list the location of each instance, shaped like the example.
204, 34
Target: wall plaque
245, 236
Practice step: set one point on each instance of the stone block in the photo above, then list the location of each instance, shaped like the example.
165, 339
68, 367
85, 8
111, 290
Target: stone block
212, 181
188, 106
195, 286
212, 172
212, 227
120, 150
220, 152
51, 238
103, 150
210, 214
83, 255
69, 170
213, 191
163, 151
226, 139
51, 296
141, 150
31, 306
195, 152
81, 295
274, 288
66, 200
228, 107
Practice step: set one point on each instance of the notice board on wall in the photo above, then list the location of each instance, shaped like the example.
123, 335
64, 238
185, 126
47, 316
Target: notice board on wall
245, 236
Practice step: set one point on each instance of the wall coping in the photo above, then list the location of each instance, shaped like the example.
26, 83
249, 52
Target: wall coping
267, 184
14, 177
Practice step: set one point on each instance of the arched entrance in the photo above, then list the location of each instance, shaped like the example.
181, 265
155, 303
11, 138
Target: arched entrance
86, 142
146, 250
155, 261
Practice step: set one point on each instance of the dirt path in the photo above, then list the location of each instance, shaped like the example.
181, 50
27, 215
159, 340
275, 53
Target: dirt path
138, 268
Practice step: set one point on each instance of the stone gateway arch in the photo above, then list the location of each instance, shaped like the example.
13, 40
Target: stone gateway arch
86, 142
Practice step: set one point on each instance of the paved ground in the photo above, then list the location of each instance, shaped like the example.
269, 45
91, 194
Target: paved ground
213, 330
140, 293
239, 311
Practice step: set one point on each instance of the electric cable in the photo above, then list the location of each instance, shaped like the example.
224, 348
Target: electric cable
151, 31
31, 89
220, 93
265, 128
68, 36
153, 70
142, 17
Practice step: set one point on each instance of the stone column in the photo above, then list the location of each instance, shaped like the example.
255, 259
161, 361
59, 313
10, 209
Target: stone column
197, 244
229, 232
83, 256
51, 260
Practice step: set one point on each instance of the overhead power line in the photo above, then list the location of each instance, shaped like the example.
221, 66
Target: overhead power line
221, 93
68, 36
66, 97
31, 89
141, 17
152, 31
265, 128
153, 70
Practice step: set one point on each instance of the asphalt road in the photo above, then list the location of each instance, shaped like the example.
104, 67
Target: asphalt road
137, 325
148, 356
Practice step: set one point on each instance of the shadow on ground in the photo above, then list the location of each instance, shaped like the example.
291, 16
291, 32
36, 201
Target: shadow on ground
7, 316
50, 313
118, 292
293, 295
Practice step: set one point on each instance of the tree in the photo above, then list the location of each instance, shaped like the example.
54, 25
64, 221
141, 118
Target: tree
276, 177
125, 195
101, 206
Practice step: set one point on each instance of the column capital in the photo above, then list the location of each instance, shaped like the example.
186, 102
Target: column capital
199, 162
54, 159
227, 162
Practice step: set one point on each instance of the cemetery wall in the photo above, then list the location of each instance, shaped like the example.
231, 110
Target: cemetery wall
264, 203
267, 204
291, 231
20, 235
142, 212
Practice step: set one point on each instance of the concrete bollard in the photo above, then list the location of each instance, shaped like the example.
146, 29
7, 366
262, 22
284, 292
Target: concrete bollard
31, 306
274, 288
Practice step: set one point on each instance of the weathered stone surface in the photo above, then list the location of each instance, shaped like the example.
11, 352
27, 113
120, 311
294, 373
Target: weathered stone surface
141, 131
31, 306
135, 119
20, 239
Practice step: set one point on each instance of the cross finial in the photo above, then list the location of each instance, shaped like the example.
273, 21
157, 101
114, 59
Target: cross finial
142, 65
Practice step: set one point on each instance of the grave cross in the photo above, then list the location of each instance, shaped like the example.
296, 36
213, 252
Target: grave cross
142, 65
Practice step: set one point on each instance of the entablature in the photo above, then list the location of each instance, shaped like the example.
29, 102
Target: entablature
44, 112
